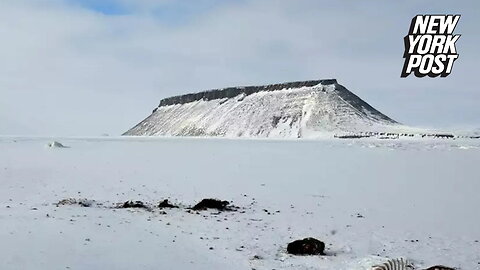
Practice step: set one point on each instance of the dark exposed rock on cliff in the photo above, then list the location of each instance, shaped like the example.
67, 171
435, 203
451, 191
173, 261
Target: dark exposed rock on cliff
231, 92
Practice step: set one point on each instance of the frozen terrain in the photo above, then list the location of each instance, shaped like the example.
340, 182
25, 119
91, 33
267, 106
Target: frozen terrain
366, 199
308, 109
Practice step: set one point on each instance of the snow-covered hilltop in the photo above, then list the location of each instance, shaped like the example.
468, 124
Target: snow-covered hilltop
306, 109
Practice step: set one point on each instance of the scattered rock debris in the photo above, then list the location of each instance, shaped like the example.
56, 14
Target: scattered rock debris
72, 201
212, 204
351, 136
307, 246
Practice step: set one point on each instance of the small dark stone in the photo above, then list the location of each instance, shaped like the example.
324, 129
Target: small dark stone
133, 204
212, 204
257, 257
307, 246
85, 203
166, 204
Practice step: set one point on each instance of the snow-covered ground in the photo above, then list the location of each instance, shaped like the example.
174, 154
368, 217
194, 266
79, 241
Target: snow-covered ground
366, 199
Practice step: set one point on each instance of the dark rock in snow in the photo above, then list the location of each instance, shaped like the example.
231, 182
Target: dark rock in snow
307, 246
212, 204
133, 204
257, 257
166, 204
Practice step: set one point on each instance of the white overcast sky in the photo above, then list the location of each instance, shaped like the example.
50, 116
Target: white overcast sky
89, 67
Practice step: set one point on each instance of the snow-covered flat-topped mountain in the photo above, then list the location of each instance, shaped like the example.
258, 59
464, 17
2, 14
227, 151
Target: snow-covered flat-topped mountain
306, 109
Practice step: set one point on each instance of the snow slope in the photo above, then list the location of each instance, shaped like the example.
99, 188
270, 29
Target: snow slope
290, 110
366, 199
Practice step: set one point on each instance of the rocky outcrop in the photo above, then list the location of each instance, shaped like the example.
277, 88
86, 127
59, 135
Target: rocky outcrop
231, 92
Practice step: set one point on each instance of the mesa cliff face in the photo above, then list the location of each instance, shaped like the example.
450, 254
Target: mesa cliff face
306, 109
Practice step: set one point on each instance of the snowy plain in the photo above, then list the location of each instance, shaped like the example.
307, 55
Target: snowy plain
367, 199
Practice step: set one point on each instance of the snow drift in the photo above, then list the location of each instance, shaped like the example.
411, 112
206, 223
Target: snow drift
303, 109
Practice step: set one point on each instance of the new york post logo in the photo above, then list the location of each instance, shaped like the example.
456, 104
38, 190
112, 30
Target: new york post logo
430, 46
